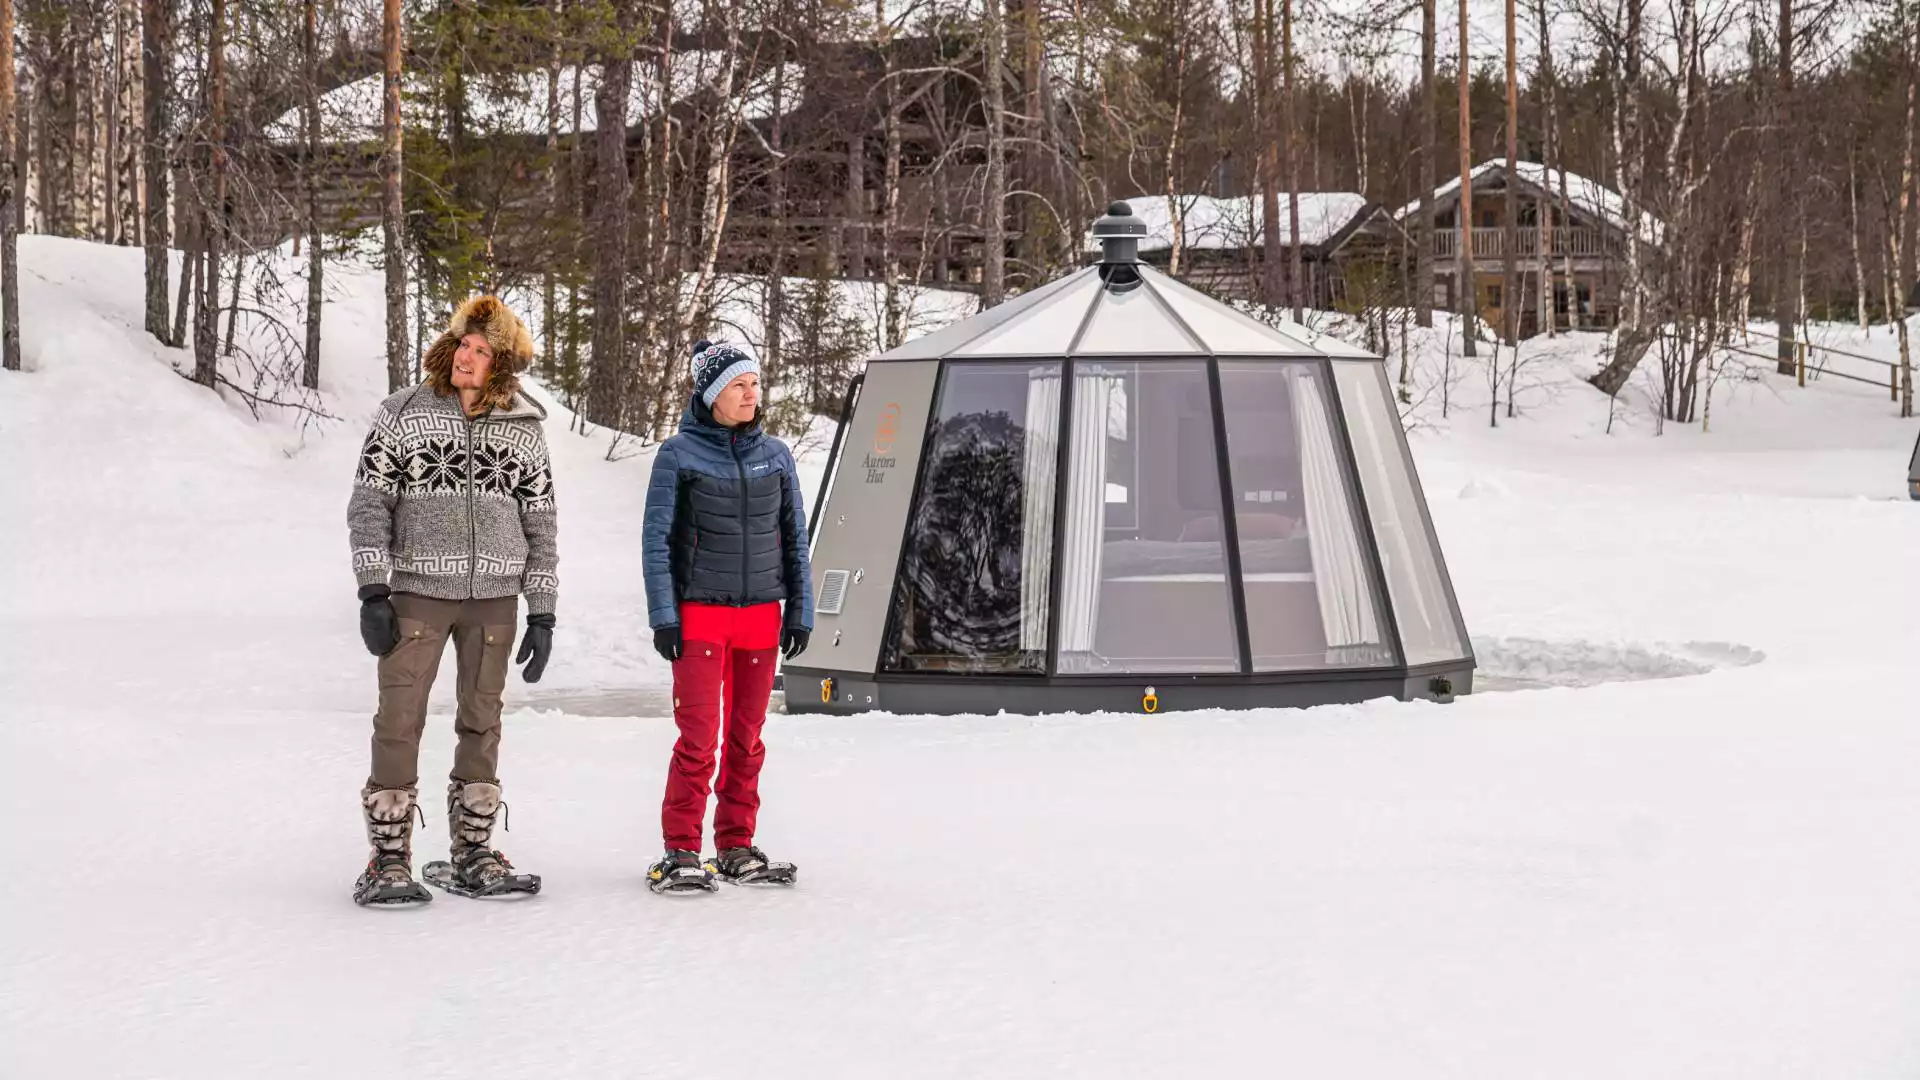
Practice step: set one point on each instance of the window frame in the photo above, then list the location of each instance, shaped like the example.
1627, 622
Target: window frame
1244, 672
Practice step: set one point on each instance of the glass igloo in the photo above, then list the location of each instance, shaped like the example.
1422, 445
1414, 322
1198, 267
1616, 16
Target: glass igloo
1116, 493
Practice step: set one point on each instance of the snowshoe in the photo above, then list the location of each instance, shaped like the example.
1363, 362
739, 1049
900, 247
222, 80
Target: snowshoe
478, 873
750, 866
681, 872
387, 882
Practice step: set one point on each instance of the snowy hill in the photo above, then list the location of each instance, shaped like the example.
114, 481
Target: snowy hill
1676, 838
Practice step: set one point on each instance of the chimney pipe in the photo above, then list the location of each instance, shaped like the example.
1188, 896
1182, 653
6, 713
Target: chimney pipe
1119, 234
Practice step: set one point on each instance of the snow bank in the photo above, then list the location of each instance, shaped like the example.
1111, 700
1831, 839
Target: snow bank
1685, 852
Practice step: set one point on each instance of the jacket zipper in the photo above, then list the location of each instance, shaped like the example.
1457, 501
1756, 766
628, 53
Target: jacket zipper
473, 530
733, 442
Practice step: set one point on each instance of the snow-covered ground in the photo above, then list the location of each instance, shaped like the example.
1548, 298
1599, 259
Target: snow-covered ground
1679, 838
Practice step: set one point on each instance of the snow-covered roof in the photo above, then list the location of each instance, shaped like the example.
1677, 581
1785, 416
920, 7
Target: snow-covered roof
1588, 196
517, 103
1234, 223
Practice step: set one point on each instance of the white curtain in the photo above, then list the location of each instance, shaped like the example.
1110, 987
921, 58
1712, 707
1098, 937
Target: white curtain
1093, 390
1036, 557
1339, 572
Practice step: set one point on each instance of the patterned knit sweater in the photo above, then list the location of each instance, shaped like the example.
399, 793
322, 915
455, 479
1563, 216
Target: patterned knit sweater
456, 508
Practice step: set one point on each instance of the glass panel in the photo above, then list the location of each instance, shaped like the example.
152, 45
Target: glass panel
1046, 330
1309, 588
973, 586
1134, 323
943, 341
1224, 329
1144, 575
1429, 629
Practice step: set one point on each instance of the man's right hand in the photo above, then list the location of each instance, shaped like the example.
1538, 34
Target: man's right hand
666, 642
379, 626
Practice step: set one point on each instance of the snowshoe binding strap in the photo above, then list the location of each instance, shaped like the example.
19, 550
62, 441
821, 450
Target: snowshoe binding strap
680, 871
749, 865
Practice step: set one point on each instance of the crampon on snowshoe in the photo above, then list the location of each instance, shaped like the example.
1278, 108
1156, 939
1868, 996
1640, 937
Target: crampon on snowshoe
372, 889
750, 866
476, 883
681, 872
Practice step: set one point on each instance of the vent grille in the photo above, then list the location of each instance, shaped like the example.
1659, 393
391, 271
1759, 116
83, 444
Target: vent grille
833, 592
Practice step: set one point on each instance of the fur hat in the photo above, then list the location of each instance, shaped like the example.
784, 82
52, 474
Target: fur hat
716, 365
512, 347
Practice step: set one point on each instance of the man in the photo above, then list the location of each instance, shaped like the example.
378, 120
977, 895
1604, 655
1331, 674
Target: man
452, 518
725, 546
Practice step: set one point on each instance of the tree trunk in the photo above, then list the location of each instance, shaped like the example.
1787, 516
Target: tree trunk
1787, 297
549, 354
891, 332
156, 58
22, 136
1743, 266
310, 47
129, 131
1029, 255
1266, 131
233, 306
1551, 119
1175, 207
607, 382
191, 228
1425, 180
1902, 245
776, 292
1469, 307
1853, 237
1295, 286
392, 213
9, 194
577, 159
716, 194
1510, 245
1631, 341
994, 273
206, 312
86, 129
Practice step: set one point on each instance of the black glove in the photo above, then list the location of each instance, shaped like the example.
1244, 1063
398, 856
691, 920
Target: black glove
536, 644
379, 626
793, 641
666, 642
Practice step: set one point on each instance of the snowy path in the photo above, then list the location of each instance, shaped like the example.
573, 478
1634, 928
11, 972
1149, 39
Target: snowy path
1703, 875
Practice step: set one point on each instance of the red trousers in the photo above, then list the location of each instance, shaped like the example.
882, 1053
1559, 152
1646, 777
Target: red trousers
721, 684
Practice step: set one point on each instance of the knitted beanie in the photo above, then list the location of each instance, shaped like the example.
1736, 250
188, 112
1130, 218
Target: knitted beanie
716, 365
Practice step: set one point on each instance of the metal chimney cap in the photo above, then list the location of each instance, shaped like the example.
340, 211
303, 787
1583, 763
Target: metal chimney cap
1119, 222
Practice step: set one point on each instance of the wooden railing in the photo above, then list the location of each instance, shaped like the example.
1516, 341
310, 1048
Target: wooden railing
1491, 243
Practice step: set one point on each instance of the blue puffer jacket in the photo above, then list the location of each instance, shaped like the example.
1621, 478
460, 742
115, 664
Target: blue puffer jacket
725, 523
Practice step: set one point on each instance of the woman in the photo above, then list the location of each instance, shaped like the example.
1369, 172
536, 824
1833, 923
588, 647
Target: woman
452, 518
725, 546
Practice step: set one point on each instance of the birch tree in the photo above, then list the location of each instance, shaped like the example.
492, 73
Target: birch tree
9, 193
392, 212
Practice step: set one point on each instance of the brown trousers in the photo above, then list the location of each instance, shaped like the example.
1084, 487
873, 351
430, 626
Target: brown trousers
482, 632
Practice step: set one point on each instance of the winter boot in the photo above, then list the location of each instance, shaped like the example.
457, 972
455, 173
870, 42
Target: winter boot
680, 871
388, 878
750, 866
477, 868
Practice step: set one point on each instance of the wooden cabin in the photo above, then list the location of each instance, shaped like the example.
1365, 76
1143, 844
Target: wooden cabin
1571, 229
1348, 245
826, 214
